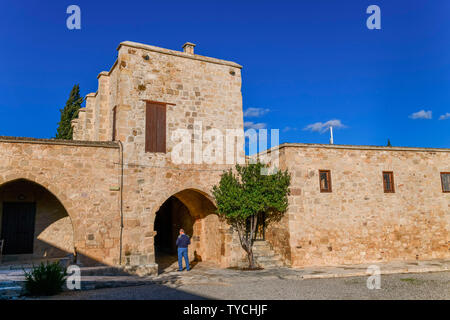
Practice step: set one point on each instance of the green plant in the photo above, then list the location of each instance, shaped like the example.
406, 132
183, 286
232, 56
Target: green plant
389, 143
45, 280
69, 113
411, 280
249, 198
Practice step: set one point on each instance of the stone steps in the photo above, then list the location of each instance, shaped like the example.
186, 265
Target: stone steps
265, 257
12, 264
9, 290
92, 278
103, 271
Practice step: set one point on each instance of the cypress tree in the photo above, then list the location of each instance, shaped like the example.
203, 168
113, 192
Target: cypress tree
389, 143
68, 113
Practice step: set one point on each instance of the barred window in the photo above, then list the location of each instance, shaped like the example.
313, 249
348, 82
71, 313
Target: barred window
445, 179
325, 180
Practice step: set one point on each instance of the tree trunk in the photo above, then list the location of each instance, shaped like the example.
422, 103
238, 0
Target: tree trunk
251, 261
246, 237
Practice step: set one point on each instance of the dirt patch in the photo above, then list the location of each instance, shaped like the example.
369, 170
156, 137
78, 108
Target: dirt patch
246, 269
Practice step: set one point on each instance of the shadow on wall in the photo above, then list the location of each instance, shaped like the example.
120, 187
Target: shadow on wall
194, 212
35, 226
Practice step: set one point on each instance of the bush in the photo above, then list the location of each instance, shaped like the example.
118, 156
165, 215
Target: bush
45, 279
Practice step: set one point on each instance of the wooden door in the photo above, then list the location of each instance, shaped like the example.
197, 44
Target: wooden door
18, 227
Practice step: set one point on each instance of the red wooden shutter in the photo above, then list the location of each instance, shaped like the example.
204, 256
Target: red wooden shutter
155, 128
388, 182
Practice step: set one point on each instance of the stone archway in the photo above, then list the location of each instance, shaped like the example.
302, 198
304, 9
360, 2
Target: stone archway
33, 222
193, 211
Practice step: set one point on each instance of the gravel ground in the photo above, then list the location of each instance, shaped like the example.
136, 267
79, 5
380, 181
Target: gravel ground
397, 286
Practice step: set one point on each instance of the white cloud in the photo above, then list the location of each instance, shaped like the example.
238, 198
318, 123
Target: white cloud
252, 125
255, 112
422, 114
323, 127
445, 116
286, 129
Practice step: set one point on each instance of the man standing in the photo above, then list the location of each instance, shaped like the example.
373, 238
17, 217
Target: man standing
182, 243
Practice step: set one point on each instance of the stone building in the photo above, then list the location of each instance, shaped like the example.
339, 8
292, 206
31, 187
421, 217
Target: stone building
117, 193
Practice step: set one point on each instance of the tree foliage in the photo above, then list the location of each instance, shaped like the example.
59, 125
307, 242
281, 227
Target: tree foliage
389, 143
68, 113
246, 197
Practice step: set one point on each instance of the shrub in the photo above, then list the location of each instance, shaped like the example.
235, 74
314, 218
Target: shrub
45, 279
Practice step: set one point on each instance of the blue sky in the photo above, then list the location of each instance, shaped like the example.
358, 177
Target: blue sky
305, 62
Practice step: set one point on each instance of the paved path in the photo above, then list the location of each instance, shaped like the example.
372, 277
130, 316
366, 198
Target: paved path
206, 281
394, 286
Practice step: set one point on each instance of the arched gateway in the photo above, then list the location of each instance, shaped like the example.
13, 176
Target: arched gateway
34, 224
193, 211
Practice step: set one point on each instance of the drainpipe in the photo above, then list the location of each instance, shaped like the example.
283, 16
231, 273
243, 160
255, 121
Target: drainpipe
121, 201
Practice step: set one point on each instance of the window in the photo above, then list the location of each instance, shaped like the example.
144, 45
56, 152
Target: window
155, 127
325, 180
114, 123
445, 179
388, 182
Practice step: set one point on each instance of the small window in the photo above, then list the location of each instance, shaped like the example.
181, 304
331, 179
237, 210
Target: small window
388, 182
445, 179
114, 111
325, 180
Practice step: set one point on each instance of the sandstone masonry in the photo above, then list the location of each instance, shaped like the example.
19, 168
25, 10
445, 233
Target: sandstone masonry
102, 196
358, 222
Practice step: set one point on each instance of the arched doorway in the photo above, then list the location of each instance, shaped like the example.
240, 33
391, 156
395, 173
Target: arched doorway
193, 211
34, 224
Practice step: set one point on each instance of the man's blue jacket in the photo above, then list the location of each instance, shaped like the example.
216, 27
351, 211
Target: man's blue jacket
183, 241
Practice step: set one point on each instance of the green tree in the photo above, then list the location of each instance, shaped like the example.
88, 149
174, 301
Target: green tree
248, 197
68, 113
389, 143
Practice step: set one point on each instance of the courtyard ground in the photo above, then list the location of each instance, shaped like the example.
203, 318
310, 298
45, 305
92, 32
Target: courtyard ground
399, 280
394, 286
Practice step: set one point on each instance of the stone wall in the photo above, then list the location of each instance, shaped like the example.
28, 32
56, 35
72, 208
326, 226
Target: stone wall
53, 232
84, 177
357, 222
200, 93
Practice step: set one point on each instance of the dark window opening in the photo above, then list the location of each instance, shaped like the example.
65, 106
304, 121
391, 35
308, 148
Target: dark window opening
388, 181
114, 124
325, 180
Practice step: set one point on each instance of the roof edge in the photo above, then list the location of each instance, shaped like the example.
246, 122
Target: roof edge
178, 53
352, 147
80, 143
